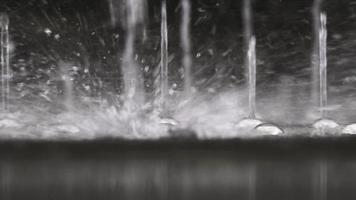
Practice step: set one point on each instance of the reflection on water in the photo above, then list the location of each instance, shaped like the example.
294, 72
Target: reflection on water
176, 175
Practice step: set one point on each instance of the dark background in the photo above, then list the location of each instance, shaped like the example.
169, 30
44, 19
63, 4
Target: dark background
283, 30
89, 40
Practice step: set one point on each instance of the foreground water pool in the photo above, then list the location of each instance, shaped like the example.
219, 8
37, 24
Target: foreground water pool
241, 169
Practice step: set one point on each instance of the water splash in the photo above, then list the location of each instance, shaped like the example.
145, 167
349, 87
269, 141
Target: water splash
186, 46
5, 60
323, 65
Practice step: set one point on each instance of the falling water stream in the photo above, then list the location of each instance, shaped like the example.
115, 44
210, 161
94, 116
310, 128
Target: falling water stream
315, 60
164, 61
133, 86
186, 47
323, 64
251, 125
67, 85
250, 60
252, 77
5, 60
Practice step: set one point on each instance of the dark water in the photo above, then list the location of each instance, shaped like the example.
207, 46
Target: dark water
239, 170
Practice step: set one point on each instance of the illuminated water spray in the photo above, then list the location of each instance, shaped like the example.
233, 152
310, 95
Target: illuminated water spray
186, 47
5, 60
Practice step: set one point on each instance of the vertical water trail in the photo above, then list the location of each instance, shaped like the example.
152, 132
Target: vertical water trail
5, 60
323, 65
251, 57
247, 23
321, 180
112, 13
133, 86
67, 85
252, 177
316, 10
164, 59
250, 60
186, 46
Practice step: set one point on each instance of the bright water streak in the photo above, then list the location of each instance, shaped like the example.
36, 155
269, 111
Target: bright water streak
5, 60
164, 59
185, 42
112, 13
67, 85
132, 86
247, 21
323, 64
321, 180
251, 57
315, 52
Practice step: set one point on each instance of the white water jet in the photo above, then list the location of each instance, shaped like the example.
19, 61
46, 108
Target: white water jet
164, 89
186, 47
5, 60
251, 56
133, 85
324, 125
315, 52
67, 81
164, 61
251, 125
323, 65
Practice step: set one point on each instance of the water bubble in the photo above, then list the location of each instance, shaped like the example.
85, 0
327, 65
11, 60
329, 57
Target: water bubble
269, 129
325, 127
247, 125
349, 129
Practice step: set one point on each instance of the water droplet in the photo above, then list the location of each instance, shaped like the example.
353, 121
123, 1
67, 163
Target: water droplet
48, 31
57, 36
